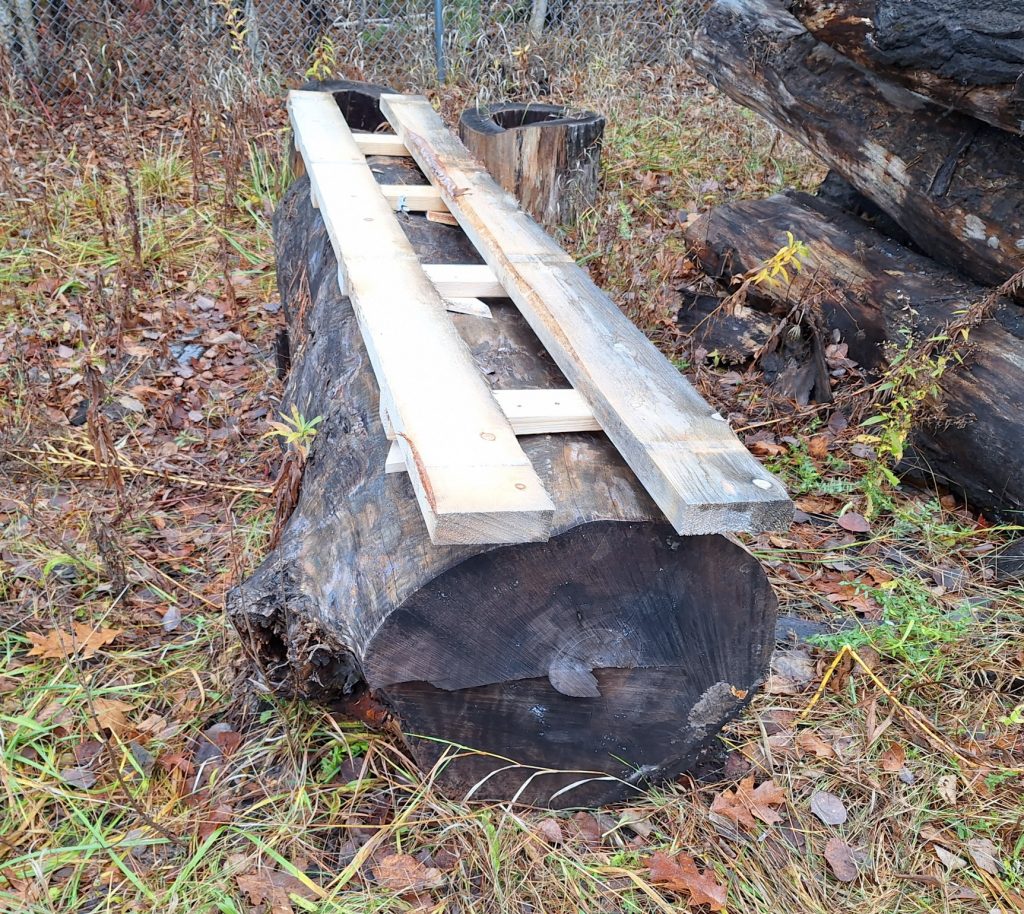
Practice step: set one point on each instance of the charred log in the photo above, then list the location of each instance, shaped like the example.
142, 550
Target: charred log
965, 56
952, 183
875, 294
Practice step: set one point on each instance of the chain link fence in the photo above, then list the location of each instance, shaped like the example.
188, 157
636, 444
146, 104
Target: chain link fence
156, 51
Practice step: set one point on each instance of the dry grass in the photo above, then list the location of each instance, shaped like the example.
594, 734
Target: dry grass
116, 256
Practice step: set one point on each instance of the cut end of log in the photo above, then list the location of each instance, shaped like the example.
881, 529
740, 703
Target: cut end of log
611, 650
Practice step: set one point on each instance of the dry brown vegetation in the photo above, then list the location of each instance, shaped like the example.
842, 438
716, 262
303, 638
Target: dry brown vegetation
144, 768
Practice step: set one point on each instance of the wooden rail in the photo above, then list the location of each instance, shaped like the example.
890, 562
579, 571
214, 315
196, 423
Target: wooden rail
681, 449
472, 480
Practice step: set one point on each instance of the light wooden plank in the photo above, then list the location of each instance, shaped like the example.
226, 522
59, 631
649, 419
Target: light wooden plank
465, 280
456, 282
416, 198
471, 478
319, 142
680, 448
395, 460
380, 144
444, 218
469, 306
540, 412
530, 412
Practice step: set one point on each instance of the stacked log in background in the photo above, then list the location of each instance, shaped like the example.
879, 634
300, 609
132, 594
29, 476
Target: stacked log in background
919, 105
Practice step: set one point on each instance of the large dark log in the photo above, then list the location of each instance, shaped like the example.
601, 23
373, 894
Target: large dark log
966, 56
952, 183
876, 293
547, 156
616, 647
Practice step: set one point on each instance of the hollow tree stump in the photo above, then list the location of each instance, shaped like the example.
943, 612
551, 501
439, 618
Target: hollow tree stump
952, 183
609, 655
549, 158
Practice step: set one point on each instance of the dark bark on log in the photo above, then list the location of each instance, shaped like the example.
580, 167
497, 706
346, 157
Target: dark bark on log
549, 158
616, 647
952, 183
876, 293
840, 193
965, 56
733, 337
734, 334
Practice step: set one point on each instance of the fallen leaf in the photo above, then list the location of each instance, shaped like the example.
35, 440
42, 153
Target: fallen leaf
817, 447
984, 854
156, 726
946, 786
949, 860
808, 741
828, 807
879, 575
109, 714
228, 740
274, 887
855, 523
681, 874
966, 893
817, 504
745, 803
636, 820
550, 831
213, 820
766, 448
777, 720
791, 673
929, 832
400, 873
589, 828
142, 759
82, 778
171, 619
841, 859
87, 751
894, 758
84, 639
176, 761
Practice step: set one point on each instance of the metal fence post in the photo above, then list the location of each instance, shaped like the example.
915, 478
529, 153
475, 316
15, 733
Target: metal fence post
439, 40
